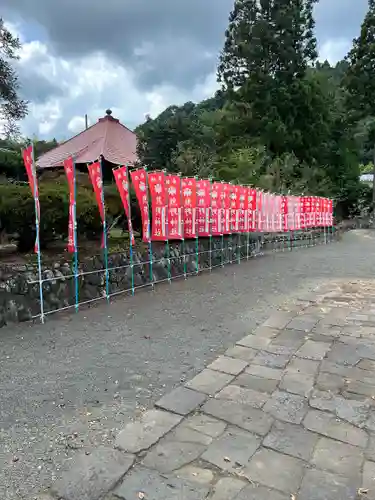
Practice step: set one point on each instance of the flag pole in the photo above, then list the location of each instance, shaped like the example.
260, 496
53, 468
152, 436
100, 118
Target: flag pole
223, 224
167, 227
230, 254
238, 228
105, 243
130, 228
210, 224
247, 222
37, 227
150, 255
182, 220
76, 283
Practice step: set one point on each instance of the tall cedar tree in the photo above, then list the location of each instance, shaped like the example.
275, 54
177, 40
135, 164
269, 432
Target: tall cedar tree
12, 107
359, 79
268, 48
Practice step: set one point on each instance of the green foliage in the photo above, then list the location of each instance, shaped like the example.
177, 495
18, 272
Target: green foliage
11, 163
12, 108
17, 213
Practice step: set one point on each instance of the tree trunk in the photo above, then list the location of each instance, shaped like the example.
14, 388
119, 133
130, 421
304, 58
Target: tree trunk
373, 190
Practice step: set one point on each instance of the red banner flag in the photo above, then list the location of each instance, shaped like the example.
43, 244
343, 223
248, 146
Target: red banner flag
216, 208
122, 183
139, 181
243, 204
225, 224
203, 207
70, 175
234, 209
28, 155
252, 209
95, 173
189, 203
158, 193
259, 211
174, 199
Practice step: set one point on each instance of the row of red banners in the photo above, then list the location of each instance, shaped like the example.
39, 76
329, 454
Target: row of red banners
185, 207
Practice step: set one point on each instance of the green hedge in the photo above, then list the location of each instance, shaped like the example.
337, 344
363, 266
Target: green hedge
17, 215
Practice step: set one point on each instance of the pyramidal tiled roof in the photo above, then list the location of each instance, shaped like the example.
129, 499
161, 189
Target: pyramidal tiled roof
107, 137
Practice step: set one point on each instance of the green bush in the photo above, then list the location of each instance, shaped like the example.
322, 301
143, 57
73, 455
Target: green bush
17, 213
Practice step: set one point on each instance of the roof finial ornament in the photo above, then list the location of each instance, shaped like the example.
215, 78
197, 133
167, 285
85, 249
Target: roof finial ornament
108, 112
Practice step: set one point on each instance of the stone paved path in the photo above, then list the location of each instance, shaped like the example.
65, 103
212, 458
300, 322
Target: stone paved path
287, 413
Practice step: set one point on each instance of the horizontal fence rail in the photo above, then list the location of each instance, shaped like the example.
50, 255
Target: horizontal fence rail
67, 285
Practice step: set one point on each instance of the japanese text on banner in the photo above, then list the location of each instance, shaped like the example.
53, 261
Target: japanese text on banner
122, 183
189, 203
27, 155
234, 209
225, 223
70, 174
216, 208
97, 184
203, 207
173, 184
158, 194
139, 181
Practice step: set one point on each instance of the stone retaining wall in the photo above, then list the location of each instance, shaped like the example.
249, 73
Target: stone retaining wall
19, 286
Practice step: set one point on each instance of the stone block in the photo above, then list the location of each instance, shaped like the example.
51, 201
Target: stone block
303, 322
181, 400
270, 360
297, 383
290, 338
340, 458
330, 382
227, 488
313, 350
243, 395
307, 366
291, 440
169, 455
279, 320
367, 364
287, 407
90, 477
275, 470
368, 479
183, 433
264, 372
361, 388
241, 352
258, 384
155, 486
257, 492
243, 416
351, 410
231, 366
328, 425
205, 424
140, 435
232, 450
344, 354
254, 341
370, 450
209, 381
195, 474
320, 485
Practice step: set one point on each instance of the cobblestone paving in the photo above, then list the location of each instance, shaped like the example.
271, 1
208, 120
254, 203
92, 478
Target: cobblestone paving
288, 413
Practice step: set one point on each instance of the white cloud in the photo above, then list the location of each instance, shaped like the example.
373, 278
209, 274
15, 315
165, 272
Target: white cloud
333, 50
93, 83
90, 85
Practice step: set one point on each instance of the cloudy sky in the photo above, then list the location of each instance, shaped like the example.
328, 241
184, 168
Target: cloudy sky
134, 56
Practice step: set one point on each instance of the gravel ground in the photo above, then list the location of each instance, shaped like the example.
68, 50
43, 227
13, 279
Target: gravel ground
73, 383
